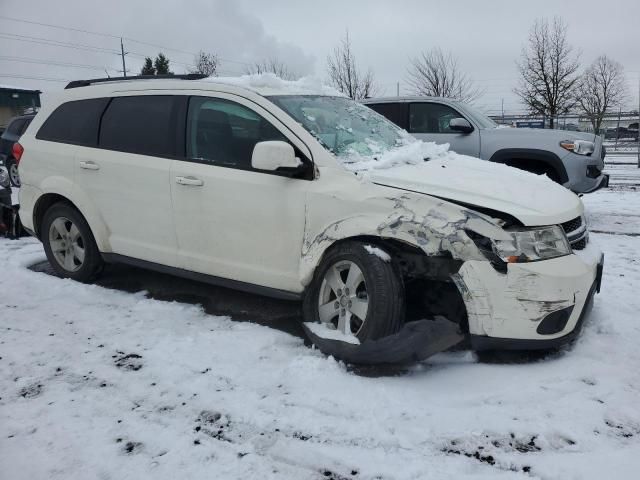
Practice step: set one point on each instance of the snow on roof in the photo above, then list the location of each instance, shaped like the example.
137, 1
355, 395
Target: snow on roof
22, 89
270, 84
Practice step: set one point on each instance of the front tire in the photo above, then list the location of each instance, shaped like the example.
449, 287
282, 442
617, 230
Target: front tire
355, 292
69, 244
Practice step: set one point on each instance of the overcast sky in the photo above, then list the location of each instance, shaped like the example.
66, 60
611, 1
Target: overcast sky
486, 37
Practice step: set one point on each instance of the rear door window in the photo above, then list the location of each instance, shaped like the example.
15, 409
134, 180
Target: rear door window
140, 124
74, 122
396, 112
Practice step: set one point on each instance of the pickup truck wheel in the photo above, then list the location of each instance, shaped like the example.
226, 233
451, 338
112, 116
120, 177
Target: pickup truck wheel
69, 244
355, 293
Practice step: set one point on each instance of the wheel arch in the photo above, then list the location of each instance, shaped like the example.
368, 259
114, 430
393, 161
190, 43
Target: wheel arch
429, 279
531, 157
48, 199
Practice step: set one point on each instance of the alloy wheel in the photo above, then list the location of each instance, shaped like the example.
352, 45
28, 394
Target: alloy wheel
67, 244
343, 302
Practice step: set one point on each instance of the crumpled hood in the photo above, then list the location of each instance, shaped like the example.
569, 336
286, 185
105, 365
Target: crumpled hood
532, 199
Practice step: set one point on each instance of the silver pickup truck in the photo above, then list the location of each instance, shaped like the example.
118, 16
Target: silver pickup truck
573, 159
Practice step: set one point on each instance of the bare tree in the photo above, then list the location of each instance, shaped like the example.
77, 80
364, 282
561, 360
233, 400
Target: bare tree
549, 70
436, 74
205, 64
345, 75
601, 87
272, 65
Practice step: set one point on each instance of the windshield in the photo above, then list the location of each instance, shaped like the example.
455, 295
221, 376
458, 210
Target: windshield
342, 126
481, 119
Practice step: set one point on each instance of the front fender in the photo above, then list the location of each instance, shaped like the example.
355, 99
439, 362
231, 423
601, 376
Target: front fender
435, 226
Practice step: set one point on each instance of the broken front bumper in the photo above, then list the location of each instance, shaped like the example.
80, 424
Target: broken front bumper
534, 305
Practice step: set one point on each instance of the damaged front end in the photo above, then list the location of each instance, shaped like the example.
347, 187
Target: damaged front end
463, 283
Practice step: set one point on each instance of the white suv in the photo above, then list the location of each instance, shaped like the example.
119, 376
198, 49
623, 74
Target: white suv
291, 190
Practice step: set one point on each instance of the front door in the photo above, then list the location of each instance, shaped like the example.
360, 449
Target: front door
430, 122
232, 221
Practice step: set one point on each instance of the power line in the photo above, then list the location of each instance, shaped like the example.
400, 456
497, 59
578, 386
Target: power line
4, 17
56, 43
29, 77
109, 35
49, 62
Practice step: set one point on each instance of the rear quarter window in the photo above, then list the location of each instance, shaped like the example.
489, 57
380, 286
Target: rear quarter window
74, 122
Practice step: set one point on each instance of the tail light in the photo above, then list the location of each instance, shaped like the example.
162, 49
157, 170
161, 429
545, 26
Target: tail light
18, 150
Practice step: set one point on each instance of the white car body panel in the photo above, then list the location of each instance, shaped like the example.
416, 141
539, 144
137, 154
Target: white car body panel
239, 224
483, 184
146, 232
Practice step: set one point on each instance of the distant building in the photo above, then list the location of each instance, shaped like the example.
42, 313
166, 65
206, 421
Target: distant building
16, 101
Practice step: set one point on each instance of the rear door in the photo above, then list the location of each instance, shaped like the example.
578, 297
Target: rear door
429, 121
127, 176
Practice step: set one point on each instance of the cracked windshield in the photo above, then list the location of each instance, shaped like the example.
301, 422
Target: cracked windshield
345, 128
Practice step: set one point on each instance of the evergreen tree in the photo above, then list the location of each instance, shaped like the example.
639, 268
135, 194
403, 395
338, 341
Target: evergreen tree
161, 65
148, 68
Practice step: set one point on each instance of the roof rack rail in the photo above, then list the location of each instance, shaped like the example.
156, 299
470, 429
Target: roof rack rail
86, 83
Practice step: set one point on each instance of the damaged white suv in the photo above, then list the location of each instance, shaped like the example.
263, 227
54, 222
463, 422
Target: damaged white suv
397, 248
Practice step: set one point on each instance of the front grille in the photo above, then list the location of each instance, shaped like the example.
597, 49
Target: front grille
572, 225
580, 244
578, 240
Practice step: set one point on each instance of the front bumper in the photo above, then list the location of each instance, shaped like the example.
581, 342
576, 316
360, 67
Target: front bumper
602, 182
534, 305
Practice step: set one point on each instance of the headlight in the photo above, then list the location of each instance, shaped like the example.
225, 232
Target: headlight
532, 244
581, 147
4, 178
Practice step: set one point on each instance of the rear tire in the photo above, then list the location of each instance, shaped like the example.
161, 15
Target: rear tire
350, 283
69, 244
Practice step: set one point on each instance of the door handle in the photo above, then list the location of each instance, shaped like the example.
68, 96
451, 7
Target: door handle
89, 165
191, 181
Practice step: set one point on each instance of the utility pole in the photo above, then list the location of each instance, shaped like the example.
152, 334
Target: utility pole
503, 111
124, 68
639, 120
398, 89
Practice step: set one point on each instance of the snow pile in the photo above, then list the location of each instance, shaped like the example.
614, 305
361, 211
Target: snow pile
331, 334
271, 84
410, 152
100, 383
378, 252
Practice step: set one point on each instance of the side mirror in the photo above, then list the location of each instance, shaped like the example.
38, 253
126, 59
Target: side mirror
274, 155
461, 125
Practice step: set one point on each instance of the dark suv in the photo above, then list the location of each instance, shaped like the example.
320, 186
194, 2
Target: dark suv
11, 135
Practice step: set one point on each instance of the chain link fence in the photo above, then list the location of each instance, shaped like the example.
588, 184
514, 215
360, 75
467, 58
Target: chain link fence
619, 129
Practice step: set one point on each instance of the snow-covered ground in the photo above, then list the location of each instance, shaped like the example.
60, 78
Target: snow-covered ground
100, 383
